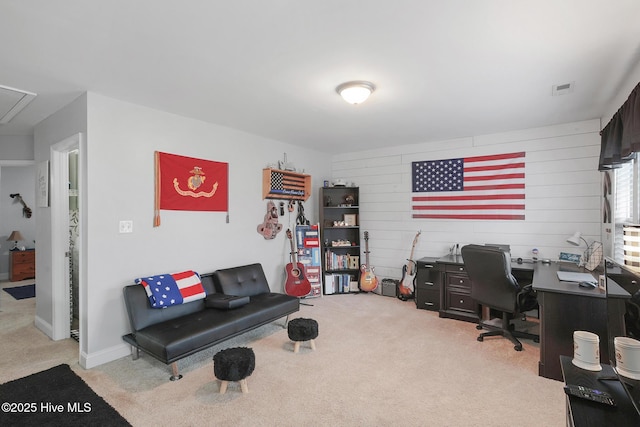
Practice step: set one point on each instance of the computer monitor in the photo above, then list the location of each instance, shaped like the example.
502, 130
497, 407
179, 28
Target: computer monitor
628, 280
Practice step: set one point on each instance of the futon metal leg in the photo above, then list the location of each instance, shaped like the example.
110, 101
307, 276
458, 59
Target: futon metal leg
286, 322
135, 352
176, 375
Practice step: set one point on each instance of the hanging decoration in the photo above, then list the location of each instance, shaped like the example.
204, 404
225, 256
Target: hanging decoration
26, 210
270, 227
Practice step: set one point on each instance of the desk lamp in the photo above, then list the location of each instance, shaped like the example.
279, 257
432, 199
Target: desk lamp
16, 236
592, 256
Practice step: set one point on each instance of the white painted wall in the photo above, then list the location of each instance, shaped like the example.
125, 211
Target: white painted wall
66, 122
624, 90
121, 140
562, 195
15, 179
16, 176
16, 147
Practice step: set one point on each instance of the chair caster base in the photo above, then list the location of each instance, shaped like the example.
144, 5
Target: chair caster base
480, 339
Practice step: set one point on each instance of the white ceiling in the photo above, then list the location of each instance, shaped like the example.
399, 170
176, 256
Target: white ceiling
443, 69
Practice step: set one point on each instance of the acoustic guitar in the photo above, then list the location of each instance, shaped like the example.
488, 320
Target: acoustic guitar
297, 284
368, 279
409, 270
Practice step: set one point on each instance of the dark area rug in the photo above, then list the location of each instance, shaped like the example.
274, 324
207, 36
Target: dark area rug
55, 397
22, 292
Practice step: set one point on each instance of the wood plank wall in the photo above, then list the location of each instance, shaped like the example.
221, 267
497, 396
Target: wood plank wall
563, 195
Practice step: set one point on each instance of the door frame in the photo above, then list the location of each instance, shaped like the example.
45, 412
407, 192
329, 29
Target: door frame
59, 193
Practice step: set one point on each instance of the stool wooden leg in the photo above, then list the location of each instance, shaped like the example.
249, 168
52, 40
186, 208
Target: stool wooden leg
313, 344
296, 347
223, 386
244, 386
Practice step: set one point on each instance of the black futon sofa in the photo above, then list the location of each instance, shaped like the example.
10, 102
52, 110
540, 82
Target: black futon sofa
238, 300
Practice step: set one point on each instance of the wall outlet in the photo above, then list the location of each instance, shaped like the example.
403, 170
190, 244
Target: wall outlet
126, 226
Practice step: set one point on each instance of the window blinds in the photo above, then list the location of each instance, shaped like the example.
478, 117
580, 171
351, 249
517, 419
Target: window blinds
623, 212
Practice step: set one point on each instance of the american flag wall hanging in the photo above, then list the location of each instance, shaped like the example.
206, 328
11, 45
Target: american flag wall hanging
479, 188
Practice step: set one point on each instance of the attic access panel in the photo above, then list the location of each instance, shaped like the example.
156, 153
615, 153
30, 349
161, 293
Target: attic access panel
12, 101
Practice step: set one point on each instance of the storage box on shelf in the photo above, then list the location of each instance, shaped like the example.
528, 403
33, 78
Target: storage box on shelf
340, 239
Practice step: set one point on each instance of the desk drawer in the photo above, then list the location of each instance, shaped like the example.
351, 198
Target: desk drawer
20, 257
458, 280
461, 301
455, 268
427, 298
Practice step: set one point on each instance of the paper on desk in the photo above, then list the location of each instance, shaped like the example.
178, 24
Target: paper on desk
572, 276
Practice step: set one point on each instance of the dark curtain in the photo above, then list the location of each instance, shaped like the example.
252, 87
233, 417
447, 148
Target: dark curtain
620, 138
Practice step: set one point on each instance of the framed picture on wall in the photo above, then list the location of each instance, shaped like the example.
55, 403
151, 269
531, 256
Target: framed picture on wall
42, 182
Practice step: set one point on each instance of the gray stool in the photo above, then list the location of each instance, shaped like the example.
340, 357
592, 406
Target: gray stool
301, 330
234, 364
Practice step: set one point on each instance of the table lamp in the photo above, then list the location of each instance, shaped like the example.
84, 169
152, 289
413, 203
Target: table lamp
15, 236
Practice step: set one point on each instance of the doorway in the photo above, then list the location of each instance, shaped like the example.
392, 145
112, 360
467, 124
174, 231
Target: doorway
73, 255
67, 219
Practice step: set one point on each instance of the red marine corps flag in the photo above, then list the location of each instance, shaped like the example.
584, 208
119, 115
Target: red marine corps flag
189, 184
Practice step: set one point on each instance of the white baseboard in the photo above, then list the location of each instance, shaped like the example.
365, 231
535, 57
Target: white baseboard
45, 327
88, 361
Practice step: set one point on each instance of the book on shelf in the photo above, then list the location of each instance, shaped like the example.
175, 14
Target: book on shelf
339, 283
335, 261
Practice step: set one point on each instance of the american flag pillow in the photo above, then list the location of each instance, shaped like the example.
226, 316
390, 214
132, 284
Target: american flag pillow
165, 290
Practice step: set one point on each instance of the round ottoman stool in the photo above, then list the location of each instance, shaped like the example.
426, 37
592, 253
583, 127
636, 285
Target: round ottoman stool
234, 364
302, 329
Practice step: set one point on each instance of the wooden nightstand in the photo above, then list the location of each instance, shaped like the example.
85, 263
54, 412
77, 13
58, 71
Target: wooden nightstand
22, 265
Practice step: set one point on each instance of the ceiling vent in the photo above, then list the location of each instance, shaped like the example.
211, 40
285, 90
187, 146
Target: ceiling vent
562, 89
12, 101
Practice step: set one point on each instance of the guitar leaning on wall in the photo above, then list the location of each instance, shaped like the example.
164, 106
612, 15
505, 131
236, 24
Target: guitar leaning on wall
368, 279
405, 287
297, 284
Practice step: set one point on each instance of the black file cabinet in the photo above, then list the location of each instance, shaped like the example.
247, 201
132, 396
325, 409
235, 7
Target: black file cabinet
427, 286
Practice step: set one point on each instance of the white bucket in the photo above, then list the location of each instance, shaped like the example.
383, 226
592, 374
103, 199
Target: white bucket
627, 357
586, 350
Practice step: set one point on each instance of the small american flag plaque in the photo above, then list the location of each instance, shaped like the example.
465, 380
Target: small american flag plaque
281, 184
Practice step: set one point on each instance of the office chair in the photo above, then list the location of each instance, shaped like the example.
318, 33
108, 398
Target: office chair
493, 285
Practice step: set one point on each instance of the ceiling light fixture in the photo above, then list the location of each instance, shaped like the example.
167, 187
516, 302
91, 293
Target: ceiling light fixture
355, 92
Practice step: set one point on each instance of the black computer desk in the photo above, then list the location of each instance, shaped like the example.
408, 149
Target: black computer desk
566, 307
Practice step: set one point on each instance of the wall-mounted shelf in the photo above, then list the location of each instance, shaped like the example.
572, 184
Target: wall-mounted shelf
281, 184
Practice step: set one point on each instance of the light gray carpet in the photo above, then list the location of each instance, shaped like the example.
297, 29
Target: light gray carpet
379, 362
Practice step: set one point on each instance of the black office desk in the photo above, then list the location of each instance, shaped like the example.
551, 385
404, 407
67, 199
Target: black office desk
566, 307
581, 412
455, 287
